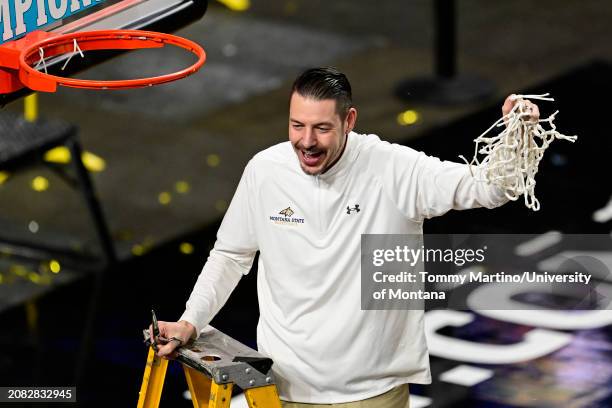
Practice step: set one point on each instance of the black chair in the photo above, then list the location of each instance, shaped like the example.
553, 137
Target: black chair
24, 143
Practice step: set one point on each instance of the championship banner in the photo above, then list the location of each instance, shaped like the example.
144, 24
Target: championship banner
19, 17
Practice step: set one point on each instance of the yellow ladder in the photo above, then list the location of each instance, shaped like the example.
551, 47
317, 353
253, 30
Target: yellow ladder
213, 363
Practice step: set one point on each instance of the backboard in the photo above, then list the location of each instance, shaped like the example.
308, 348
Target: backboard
19, 17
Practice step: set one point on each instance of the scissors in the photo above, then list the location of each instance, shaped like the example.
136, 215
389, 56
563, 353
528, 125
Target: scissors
157, 339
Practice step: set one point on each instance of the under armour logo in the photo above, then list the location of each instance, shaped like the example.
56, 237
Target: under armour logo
355, 209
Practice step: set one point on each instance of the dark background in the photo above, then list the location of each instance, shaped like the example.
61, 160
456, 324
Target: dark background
202, 130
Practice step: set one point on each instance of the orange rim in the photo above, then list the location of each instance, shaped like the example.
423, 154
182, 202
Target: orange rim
102, 40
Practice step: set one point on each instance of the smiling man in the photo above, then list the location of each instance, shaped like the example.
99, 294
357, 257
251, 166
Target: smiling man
304, 205
320, 118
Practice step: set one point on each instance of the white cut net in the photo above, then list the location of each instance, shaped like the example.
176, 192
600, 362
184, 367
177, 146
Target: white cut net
43, 63
512, 156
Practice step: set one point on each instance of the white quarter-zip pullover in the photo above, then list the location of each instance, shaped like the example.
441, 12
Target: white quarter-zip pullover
325, 348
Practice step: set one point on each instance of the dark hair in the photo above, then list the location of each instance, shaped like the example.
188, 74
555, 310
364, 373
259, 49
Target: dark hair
325, 83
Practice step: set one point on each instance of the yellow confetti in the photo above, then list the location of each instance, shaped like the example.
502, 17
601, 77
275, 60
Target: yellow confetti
4, 176
236, 5
164, 198
55, 266
182, 187
221, 205
93, 162
40, 183
409, 117
213, 160
186, 248
34, 277
138, 250
61, 155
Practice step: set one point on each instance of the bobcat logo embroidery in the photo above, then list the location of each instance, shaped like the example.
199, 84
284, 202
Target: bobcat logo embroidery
287, 212
287, 218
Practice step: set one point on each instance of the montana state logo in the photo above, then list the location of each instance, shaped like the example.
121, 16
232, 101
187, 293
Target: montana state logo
287, 212
287, 218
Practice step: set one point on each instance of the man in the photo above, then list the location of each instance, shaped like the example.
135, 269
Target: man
304, 205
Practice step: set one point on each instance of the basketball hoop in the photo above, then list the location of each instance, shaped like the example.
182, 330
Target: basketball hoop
23, 58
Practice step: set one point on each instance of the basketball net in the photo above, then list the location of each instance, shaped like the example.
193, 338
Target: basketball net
511, 158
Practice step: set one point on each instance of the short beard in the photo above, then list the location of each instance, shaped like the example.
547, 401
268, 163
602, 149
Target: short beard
310, 173
331, 164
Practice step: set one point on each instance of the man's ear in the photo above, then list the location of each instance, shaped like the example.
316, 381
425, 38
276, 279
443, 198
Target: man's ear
351, 119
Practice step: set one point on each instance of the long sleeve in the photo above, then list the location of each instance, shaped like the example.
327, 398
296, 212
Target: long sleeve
230, 259
426, 187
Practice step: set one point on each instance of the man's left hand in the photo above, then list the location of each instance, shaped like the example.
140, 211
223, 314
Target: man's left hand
531, 107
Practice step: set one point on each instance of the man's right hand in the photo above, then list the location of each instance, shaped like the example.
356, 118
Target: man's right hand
181, 330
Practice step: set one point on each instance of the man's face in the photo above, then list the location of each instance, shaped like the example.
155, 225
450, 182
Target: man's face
316, 132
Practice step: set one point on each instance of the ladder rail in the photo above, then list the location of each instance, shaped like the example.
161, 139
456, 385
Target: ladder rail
212, 364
